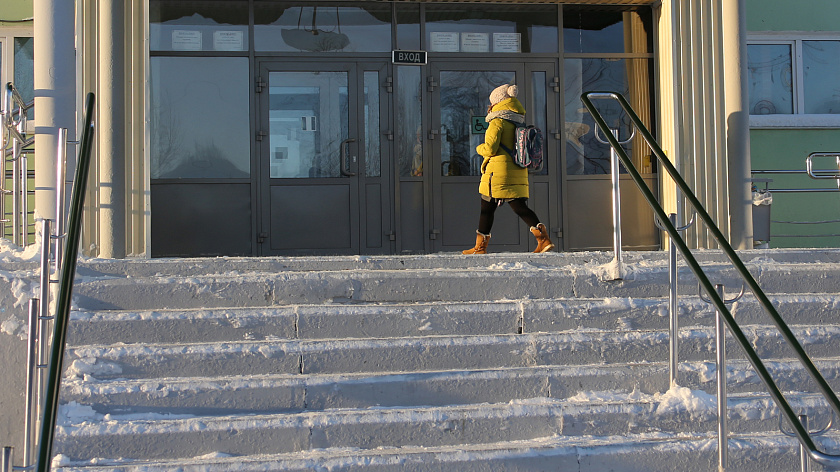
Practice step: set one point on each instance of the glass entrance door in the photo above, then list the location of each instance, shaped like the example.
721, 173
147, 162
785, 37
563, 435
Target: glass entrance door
459, 105
323, 184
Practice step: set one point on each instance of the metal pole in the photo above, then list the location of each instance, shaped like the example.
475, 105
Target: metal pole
4, 135
6, 462
616, 203
60, 178
31, 374
44, 311
16, 192
45, 267
723, 429
672, 304
24, 200
804, 462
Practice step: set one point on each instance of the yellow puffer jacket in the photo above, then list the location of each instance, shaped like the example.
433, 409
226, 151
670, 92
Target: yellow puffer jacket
500, 177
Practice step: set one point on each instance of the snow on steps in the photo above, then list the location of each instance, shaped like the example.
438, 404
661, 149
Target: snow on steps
401, 278
643, 453
677, 411
331, 362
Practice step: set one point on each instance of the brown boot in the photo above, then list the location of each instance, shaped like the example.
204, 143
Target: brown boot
481, 241
544, 243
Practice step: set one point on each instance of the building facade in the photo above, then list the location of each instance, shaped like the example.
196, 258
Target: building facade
250, 127
794, 58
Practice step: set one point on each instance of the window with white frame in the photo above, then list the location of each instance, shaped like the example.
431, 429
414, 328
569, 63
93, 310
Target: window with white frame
793, 81
17, 60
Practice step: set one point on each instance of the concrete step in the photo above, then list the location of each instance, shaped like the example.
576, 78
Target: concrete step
384, 320
634, 260
295, 393
758, 452
505, 281
81, 435
409, 354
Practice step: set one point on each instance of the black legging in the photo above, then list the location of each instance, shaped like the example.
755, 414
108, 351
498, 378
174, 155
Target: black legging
518, 205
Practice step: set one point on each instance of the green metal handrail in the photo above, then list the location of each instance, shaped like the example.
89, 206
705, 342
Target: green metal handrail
65, 290
801, 433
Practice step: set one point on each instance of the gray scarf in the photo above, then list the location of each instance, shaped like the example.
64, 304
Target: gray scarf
507, 115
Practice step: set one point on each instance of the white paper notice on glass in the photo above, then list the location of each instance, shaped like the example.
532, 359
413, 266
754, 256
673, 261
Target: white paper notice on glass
444, 42
228, 41
507, 42
186, 40
475, 42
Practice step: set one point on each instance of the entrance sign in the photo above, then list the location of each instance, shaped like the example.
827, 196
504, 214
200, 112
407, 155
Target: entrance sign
417, 58
507, 42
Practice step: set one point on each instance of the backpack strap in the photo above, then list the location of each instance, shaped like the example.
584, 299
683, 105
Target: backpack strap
507, 149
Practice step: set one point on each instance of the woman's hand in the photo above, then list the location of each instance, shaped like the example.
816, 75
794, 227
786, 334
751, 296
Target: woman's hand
484, 164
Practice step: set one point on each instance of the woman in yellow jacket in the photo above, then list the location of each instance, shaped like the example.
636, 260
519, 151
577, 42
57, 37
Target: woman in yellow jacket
502, 181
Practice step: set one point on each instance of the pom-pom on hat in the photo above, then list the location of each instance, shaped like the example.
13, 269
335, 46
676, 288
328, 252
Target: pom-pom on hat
503, 92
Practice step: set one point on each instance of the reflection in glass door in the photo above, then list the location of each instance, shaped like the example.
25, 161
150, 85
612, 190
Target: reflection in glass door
321, 161
308, 122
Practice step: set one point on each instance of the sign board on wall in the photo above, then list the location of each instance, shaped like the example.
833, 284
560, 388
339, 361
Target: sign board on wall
444, 42
417, 58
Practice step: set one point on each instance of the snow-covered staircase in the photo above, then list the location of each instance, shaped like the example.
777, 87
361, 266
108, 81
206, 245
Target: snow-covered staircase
440, 362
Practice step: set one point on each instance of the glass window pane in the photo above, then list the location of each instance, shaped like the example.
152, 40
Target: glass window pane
200, 117
25, 70
409, 138
308, 123
588, 29
536, 115
770, 79
198, 26
372, 134
479, 28
585, 155
408, 26
327, 27
821, 64
464, 97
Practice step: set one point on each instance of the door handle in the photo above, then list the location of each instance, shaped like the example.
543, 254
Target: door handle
343, 158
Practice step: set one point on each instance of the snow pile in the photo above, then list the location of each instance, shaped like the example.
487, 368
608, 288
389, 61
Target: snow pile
685, 399
676, 399
18, 286
10, 252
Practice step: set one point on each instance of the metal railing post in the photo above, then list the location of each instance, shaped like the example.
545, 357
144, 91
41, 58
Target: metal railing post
673, 309
31, 374
60, 184
24, 199
615, 183
723, 424
616, 204
804, 461
6, 460
44, 311
720, 374
16, 189
3, 190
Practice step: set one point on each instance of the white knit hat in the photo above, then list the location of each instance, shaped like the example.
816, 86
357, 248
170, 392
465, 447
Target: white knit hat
503, 92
